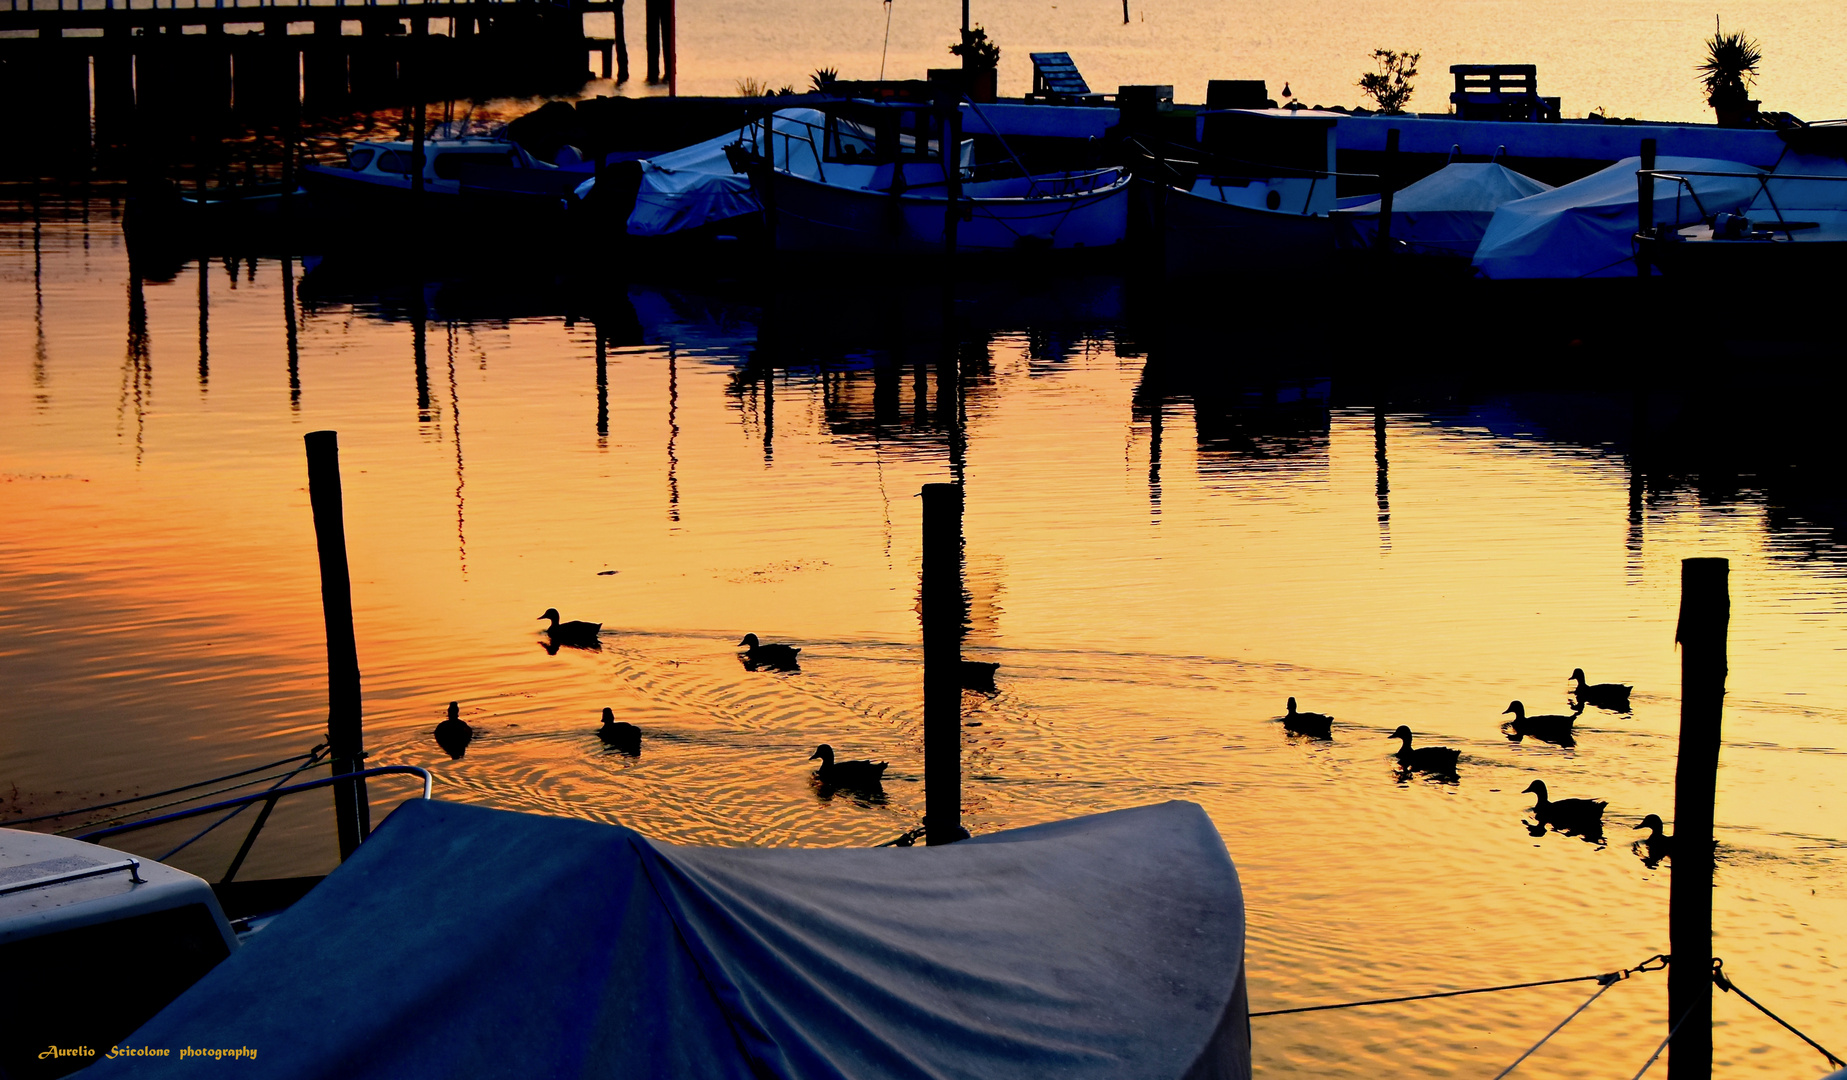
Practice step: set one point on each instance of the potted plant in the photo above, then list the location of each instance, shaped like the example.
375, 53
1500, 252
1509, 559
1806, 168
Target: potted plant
1727, 74
981, 60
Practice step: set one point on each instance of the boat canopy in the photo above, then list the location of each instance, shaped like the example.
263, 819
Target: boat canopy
696, 185
1587, 228
465, 941
1447, 212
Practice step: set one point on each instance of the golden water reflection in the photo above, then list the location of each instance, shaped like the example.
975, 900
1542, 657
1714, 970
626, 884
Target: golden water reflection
1160, 551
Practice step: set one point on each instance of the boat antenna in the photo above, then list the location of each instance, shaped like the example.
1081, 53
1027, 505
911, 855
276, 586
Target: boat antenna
887, 48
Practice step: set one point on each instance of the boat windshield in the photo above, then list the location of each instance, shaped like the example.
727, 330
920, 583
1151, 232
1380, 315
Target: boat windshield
358, 159
879, 135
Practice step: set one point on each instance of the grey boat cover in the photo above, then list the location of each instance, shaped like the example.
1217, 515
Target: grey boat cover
1447, 212
463, 941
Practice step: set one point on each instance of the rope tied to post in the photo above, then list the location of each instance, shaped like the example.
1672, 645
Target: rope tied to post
1723, 982
1605, 979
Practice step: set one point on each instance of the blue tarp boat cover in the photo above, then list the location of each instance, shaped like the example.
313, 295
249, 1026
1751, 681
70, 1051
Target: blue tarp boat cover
463, 941
1445, 213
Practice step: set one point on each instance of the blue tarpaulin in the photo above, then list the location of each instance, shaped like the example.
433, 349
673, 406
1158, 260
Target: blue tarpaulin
462, 941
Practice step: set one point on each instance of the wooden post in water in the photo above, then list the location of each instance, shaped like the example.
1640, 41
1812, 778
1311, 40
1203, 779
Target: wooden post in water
1644, 205
345, 736
1386, 171
1705, 611
942, 634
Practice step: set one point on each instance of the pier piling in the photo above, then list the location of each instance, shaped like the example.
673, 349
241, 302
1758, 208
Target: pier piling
942, 634
1386, 172
345, 735
1705, 612
1644, 204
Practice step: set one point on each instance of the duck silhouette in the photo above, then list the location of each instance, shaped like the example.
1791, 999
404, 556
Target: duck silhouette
1654, 847
1583, 817
779, 657
1313, 724
577, 634
454, 734
1552, 729
620, 736
978, 675
1613, 697
1431, 759
861, 775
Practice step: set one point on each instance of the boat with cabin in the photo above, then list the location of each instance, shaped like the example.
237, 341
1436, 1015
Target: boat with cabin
895, 176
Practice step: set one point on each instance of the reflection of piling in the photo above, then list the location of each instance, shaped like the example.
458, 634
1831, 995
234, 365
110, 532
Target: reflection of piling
1644, 204
1705, 611
942, 634
345, 736
1386, 172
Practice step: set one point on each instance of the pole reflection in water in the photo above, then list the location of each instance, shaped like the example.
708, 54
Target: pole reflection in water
291, 332
602, 390
1383, 485
1150, 402
137, 393
673, 433
39, 356
420, 354
455, 434
205, 307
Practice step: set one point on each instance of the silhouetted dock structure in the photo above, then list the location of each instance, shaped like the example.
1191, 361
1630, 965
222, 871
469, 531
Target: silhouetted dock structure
78, 59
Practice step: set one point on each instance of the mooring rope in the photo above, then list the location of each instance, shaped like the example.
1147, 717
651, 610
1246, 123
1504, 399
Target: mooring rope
1608, 978
158, 794
1601, 990
1646, 1065
312, 761
1725, 984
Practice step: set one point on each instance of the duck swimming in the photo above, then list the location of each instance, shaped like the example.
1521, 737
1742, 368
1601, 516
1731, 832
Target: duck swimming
780, 657
1567, 815
571, 633
847, 774
1313, 724
1657, 845
454, 734
1434, 759
620, 736
1552, 729
1611, 696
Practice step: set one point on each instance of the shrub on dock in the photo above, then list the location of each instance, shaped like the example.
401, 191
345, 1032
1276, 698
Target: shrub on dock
1391, 85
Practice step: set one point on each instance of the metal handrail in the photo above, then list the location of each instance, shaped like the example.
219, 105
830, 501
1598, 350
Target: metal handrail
1679, 177
326, 781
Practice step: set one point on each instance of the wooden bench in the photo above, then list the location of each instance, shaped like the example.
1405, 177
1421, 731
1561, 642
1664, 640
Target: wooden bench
1055, 79
1500, 92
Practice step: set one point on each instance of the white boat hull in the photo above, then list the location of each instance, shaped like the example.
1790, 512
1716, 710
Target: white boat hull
1207, 236
808, 216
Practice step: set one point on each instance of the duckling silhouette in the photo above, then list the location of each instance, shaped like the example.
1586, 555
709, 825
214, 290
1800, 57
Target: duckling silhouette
1613, 697
454, 734
978, 675
582, 635
861, 775
778, 657
1552, 729
1654, 847
620, 736
1583, 817
1431, 759
1313, 724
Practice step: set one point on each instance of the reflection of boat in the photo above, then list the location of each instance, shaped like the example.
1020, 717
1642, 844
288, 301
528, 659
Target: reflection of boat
593, 950
875, 177
1258, 199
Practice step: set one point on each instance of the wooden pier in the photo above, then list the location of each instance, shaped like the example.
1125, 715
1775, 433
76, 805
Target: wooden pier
84, 61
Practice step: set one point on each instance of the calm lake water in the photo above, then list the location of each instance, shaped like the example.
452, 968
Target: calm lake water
1164, 541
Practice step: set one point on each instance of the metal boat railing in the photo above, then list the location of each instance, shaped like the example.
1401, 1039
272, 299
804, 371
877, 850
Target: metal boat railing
1680, 178
267, 798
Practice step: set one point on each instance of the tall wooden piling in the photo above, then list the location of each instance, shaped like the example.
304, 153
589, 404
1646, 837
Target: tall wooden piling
345, 736
1386, 172
1644, 204
1705, 612
942, 634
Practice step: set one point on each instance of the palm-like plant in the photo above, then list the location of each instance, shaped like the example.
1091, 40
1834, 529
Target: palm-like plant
1729, 70
823, 78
